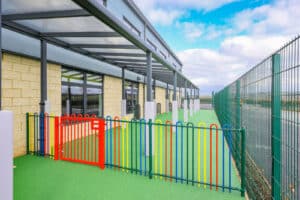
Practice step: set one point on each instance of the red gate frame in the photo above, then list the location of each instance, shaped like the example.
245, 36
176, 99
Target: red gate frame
96, 124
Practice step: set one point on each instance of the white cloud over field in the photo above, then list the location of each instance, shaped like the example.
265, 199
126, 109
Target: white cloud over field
246, 38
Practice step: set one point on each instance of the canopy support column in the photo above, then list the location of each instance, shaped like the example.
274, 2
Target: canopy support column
174, 102
191, 101
43, 77
123, 101
185, 103
149, 106
167, 98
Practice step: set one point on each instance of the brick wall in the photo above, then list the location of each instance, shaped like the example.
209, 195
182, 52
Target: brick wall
21, 92
161, 98
112, 96
141, 98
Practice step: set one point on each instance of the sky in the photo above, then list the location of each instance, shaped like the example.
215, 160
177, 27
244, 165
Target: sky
219, 40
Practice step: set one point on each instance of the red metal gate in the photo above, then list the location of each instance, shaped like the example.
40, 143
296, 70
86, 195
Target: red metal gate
80, 139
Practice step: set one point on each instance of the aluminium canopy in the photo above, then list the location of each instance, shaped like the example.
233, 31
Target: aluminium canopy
120, 38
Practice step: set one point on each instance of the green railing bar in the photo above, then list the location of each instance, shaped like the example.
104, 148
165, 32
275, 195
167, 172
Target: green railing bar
136, 147
27, 133
187, 156
238, 114
193, 141
243, 162
131, 148
150, 149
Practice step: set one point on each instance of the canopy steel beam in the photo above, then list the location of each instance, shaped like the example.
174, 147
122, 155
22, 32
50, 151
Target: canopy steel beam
135, 64
144, 69
81, 34
115, 23
129, 60
150, 28
104, 46
46, 15
89, 9
119, 54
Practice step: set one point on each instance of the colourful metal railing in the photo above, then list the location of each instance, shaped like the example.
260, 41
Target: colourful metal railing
184, 152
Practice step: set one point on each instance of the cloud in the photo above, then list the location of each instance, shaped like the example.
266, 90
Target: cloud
281, 17
211, 69
184, 4
192, 31
166, 12
248, 37
163, 17
252, 48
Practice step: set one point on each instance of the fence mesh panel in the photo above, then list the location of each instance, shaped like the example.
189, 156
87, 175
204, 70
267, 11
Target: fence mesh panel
248, 103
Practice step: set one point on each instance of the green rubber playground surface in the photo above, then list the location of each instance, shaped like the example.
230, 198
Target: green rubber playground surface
43, 178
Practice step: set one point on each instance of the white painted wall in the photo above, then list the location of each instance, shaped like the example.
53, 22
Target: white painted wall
6, 155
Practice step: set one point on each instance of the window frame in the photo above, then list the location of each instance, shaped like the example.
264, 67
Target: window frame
84, 86
132, 83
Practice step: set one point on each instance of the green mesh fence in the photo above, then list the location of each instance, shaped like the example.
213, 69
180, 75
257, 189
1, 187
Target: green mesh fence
265, 101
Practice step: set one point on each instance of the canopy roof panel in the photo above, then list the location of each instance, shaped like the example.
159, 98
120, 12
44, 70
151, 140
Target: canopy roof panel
87, 27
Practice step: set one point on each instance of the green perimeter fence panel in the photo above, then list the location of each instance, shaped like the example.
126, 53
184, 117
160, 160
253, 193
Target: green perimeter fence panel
265, 101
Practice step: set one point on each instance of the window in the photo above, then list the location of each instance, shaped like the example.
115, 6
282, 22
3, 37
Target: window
170, 94
82, 92
153, 91
131, 95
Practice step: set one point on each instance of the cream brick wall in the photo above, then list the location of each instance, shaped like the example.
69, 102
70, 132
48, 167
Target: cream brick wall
21, 92
112, 96
160, 97
54, 88
141, 98
171, 96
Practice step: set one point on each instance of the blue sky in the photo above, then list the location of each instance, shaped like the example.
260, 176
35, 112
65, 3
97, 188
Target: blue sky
219, 16
219, 40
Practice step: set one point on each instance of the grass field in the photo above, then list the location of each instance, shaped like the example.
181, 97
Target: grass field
42, 178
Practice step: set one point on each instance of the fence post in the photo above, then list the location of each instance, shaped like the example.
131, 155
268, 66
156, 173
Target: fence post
238, 117
150, 148
213, 99
238, 105
56, 138
27, 133
276, 128
101, 143
41, 151
243, 162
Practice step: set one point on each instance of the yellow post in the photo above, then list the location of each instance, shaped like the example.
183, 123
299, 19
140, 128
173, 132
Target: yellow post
51, 132
123, 142
31, 130
156, 145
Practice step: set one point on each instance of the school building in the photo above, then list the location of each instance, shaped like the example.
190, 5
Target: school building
91, 57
